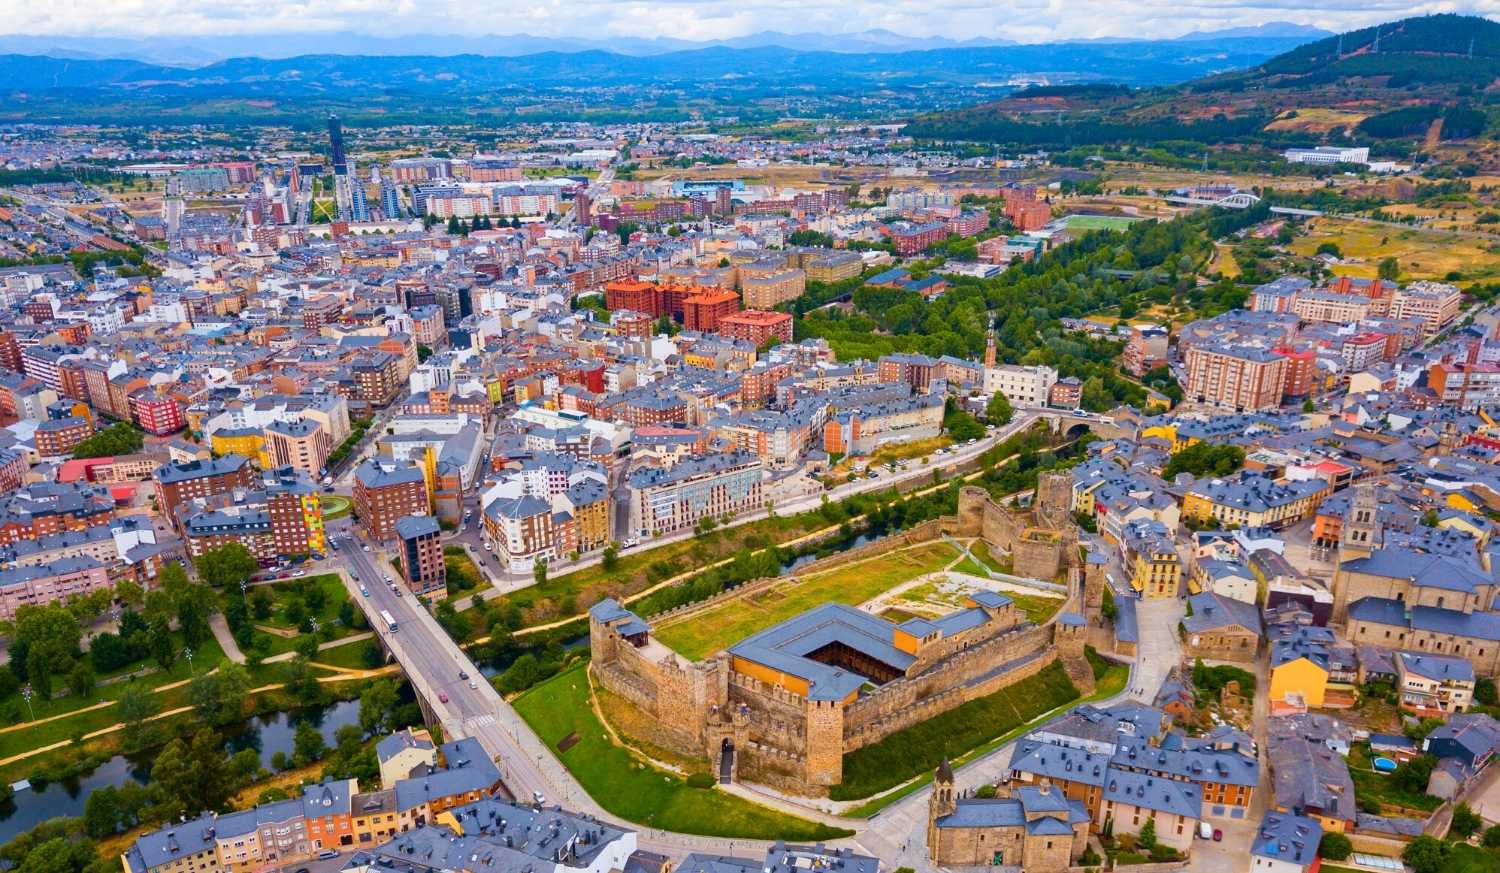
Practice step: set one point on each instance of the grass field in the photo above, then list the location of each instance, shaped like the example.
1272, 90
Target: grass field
638, 568
1421, 254
1369, 785
1099, 222
726, 624
350, 655
1223, 262
1109, 680
559, 709
921, 747
335, 506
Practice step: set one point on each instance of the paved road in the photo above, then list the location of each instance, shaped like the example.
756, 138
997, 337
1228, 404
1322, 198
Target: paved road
473, 708
504, 582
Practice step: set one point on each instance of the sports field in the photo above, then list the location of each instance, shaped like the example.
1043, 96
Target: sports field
1099, 222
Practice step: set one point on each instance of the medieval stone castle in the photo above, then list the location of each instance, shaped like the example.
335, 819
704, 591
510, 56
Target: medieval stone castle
784, 705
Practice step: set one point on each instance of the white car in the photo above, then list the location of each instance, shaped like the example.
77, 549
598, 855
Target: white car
486, 547
365, 546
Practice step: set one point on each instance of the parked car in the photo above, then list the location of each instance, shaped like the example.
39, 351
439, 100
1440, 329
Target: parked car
443, 696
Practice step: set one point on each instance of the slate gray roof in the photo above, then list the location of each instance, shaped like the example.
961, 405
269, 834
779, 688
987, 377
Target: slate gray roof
501, 837
1379, 610
1154, 792
1212, 612
389, 747
1291, 839
785, 647
1308, 776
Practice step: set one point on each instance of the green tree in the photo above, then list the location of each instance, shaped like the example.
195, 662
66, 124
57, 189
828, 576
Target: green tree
1412, 776
999, 410
120, 438
1335, 846
1464, 823
219, 698
195, 604
610, 560
1484, 691
454, 228
1491, 839
1389, 269
39, 672
1309, 406
135, 707
307, 744
1426, 854
302, 683
375, 707
1147, 838
101, 813
227, 566
1205, 459
81, 679
539, 572
191, 777
163, 649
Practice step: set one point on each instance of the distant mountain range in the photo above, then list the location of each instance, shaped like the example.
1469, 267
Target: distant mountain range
195, 51
1420, 77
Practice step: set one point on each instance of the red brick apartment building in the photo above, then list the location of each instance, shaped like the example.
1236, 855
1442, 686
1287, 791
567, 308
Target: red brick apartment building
756, 326
1241, 379
177, 482
702, 312
386, 491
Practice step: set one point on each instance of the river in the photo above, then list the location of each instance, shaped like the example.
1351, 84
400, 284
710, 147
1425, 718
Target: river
268, 734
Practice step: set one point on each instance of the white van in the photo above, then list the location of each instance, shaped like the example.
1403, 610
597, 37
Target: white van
1205, 831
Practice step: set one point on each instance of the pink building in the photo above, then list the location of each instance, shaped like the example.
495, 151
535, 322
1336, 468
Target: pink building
50, 583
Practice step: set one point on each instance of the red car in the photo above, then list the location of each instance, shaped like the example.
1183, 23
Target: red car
1218, 835
443, 696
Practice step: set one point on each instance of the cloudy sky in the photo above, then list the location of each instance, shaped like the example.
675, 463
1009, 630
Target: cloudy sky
1022, 20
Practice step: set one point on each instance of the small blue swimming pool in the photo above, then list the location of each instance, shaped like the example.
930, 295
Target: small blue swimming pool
1384, 765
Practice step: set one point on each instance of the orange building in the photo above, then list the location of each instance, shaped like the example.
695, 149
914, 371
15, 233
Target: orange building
702, 312
756, 326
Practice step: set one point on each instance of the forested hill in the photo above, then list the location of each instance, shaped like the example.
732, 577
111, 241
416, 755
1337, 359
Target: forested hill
1387, 82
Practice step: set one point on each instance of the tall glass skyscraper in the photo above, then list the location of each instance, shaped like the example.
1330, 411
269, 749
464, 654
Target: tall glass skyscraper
336, 145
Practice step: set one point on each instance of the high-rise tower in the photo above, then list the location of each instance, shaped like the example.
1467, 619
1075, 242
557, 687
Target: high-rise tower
336, 145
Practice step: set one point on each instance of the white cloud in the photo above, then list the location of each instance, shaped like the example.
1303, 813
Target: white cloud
1024, 20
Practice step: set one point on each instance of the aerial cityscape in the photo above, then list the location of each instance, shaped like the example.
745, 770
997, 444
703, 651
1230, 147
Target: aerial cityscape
675, 437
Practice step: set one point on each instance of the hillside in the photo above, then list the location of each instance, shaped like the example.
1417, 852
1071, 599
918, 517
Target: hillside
1381, 85
751, 81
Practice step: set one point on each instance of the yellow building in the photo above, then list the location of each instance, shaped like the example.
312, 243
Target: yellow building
1168, 432
1253, 500
590, 502
1157, 574
247, 441
1156, 570
1300, 677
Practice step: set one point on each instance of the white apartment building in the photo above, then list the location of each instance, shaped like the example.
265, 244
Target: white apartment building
1022, 386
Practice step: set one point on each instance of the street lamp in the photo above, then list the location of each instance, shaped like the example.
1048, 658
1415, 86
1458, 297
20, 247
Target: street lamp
187, 652
26, 693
